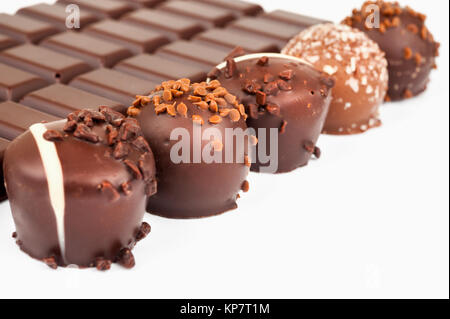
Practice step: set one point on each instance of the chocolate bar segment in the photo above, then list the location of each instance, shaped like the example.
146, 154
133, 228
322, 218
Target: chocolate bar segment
7, 42
113, 85
239, 8
205, 14
142, 3
158, 69
101, 8
16, 119
136, 39
24, 29
95, 52
60, 100
52, 66
293, 18
15, 83
229, 39
56, 15
174, 27
3, 145
277, 32
194, 54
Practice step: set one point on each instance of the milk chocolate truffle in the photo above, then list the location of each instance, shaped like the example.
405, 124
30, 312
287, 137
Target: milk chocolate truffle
195, 178
283, 93
78, 189
409, 46
359, 68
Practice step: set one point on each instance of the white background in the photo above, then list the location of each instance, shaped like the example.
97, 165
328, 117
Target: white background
368, 220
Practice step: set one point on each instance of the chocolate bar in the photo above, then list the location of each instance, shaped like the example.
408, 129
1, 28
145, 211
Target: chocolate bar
50, 65
15, 83
226, 39
158, 69
293, 18
60, 100
174, 27
6, 42
208, 16
136, 39
56, 15
95, 52
16, 119
238, 8
24, 29
195, 54
102, 8
278, 33
114, 85
180, 38
142, 3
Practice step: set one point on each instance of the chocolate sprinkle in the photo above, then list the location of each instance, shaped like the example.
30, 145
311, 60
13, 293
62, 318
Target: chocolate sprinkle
53, 136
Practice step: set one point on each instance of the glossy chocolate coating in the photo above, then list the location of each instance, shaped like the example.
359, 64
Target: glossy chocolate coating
190, 190
101, 216
298, 110
410, 48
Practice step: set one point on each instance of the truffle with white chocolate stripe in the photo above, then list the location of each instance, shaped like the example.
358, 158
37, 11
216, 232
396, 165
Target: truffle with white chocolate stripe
287, 101
78, 189
359, 68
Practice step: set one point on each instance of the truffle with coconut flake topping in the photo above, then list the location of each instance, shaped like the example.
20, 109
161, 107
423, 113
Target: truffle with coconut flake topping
359, 68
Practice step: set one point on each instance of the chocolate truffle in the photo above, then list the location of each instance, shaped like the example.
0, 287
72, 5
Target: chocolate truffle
78, 189
283, 93
409, 46
197, 176
359, 68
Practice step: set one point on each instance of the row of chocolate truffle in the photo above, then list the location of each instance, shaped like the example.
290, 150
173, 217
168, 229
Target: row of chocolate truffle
78, 188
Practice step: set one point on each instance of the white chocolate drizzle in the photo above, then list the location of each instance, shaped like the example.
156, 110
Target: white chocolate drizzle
55, 181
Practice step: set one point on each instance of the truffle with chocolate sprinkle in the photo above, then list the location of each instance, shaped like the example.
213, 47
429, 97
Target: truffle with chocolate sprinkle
202, 182
78, 189
359, 68
284, 93
409, 46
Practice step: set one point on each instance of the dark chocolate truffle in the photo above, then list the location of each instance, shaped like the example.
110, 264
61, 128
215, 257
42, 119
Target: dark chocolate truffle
284, 93
359, 68
409, 46
78, 189
196, 180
